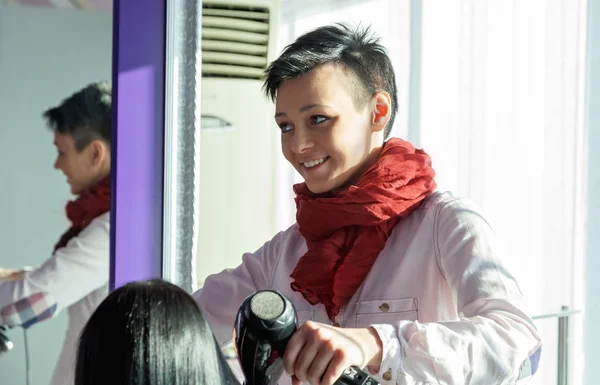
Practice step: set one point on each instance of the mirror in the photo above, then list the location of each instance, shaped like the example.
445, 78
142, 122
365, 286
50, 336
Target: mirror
47, 53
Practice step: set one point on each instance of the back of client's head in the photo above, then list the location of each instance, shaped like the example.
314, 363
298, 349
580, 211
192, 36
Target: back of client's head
149, 333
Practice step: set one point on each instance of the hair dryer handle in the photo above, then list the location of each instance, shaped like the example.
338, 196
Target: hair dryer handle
355, 376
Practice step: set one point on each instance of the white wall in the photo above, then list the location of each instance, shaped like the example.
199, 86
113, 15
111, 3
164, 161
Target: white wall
45, 55
237, 174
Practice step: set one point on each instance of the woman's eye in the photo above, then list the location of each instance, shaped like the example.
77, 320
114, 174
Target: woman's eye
285, 127
318, 119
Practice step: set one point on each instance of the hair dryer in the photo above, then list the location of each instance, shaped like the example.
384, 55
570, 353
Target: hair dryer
5, 343
263, 327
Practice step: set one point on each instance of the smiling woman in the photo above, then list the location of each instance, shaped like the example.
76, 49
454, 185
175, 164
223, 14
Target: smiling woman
403, 274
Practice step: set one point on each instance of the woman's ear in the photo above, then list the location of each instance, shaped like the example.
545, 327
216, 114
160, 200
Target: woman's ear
99, 152
382, 110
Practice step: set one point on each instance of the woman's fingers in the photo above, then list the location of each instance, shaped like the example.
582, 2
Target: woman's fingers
335, 369
294, 348
319, 353
312, 348
318, 367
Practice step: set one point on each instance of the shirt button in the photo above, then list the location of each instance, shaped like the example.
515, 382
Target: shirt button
387, 376
384, 307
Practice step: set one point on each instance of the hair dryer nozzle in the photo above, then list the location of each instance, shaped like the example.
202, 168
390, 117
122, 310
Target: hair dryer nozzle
263, 326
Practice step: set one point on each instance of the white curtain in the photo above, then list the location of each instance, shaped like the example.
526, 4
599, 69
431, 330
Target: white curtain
501, 114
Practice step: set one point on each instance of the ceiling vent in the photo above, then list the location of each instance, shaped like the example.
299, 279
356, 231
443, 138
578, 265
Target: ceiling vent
235, 41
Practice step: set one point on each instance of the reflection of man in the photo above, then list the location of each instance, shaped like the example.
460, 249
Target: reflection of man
76, 276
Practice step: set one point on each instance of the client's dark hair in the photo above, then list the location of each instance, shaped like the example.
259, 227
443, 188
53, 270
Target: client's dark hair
149, 333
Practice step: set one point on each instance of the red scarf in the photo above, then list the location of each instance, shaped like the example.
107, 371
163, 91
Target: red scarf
88, 205
345, 232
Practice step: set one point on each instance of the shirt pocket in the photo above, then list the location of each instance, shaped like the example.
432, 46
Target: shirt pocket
386, 311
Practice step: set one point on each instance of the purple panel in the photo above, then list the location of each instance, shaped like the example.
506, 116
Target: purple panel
138, 135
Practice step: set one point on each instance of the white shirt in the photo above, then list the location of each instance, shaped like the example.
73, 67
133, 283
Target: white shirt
76, 278
439, 295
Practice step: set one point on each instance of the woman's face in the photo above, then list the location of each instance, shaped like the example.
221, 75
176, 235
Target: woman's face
82, 168
327, 139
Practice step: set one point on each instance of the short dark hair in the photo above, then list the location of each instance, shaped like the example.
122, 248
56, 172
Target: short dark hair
86, 115
150, 333
354, 48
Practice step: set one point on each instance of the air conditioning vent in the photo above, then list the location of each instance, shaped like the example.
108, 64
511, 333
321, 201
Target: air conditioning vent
235, 41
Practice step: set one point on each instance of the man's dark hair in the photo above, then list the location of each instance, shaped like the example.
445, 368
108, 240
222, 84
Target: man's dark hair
356, 49
86, 115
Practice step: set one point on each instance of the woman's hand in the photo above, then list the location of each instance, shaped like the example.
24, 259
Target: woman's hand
319, 353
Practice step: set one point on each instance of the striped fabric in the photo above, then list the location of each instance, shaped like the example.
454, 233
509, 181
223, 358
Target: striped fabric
530, 366
28, 311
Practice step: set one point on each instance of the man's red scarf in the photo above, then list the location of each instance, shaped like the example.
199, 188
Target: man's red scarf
88, 205
345, 232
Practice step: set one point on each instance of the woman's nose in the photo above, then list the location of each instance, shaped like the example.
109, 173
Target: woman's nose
302, 141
